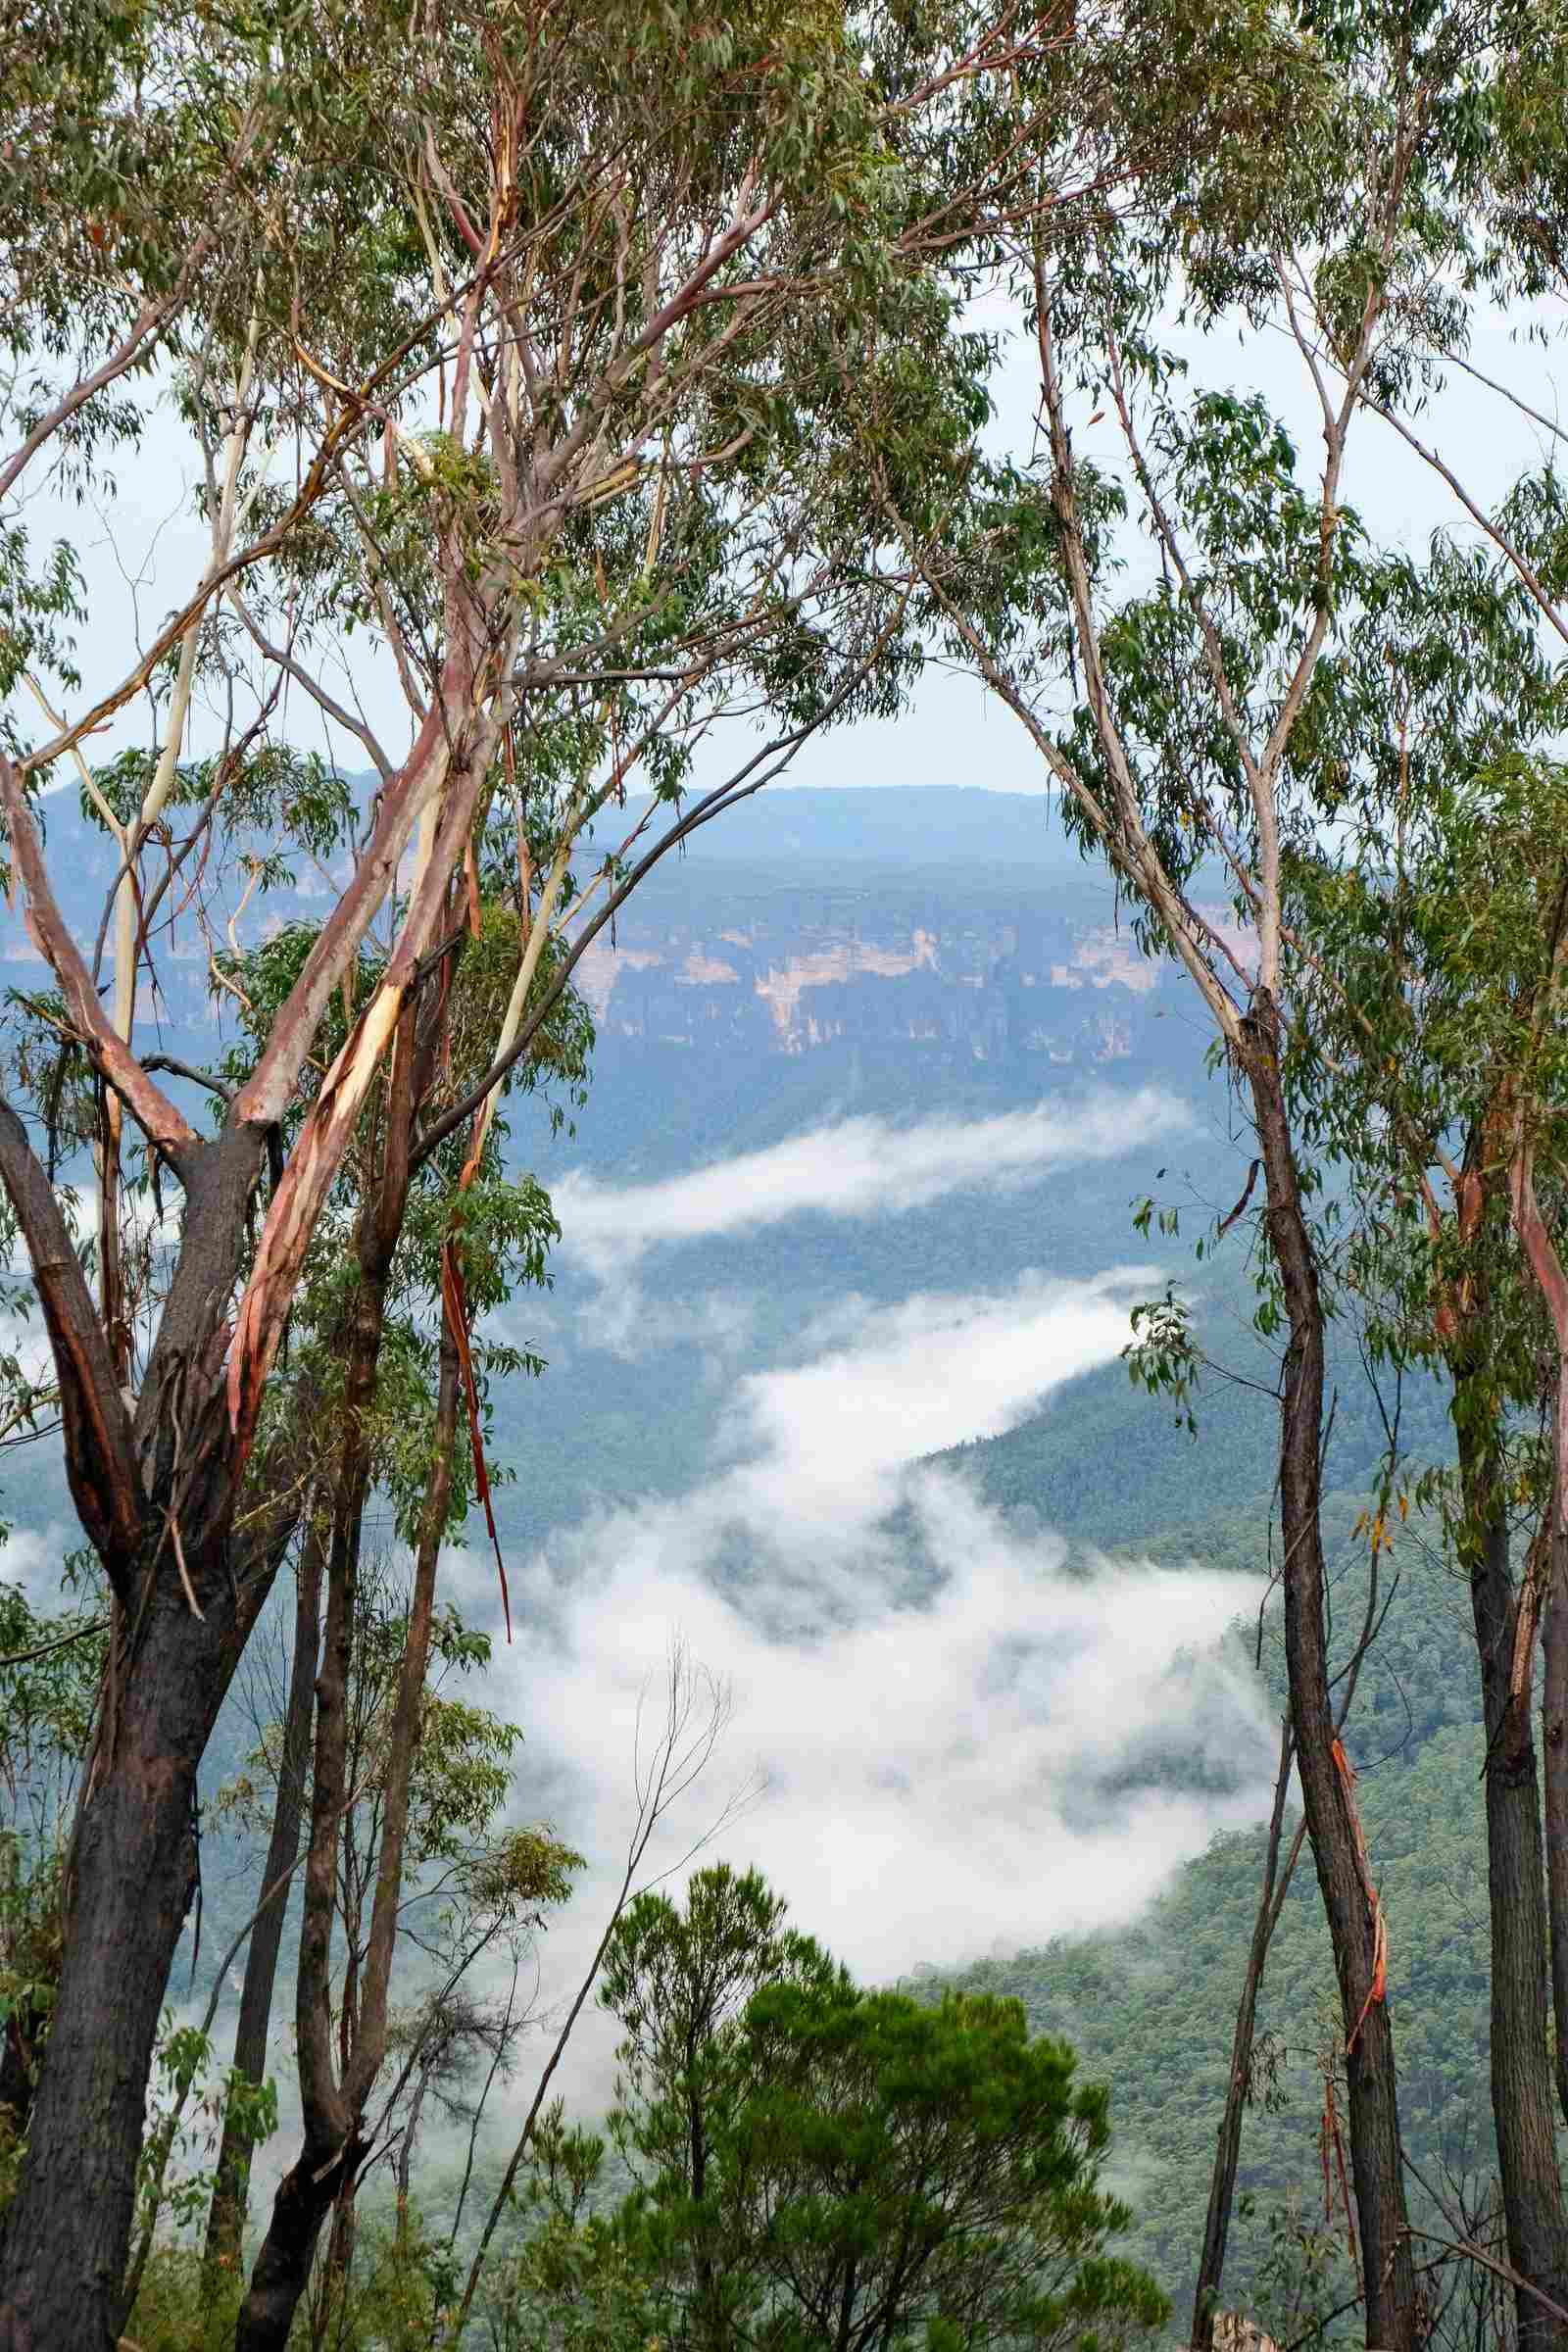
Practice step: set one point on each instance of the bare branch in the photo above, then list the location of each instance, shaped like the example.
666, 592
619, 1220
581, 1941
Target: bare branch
669, 1773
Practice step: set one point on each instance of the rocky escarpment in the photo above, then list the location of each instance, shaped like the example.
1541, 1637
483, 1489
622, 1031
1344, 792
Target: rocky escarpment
770, 964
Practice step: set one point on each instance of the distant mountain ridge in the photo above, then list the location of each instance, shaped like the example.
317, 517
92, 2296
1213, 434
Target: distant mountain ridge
939, 922
891, 825
1022, 966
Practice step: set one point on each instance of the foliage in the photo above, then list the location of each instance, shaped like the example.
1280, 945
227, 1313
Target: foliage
463, 1771
1152, 2004
816, 2165
49, 1673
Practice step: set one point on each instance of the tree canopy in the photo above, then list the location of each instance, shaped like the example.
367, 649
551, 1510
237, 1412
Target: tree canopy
820, 2168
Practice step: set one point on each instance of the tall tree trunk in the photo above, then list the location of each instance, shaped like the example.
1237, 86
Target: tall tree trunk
225, 2219
1222, 2182
333, 2147
1522, 2102
132, 1876
1555, 1744
155, 1489
1328, 1799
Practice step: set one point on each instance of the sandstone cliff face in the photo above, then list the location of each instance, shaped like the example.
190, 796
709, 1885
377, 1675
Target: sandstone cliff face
932, 925
990, 974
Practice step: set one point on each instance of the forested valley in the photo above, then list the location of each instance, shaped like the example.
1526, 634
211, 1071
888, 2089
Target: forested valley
783, 1309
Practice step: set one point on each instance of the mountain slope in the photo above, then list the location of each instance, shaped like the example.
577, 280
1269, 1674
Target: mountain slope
1151, 2008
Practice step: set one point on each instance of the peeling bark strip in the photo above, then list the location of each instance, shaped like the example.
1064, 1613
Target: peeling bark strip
162, 1123
296, 1205
265, 1097
325, 1137
1336, 2184
1377, 1990
454, 1303
1541, 1253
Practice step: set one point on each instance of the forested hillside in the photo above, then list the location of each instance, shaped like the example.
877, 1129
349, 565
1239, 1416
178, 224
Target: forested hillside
1151, 2008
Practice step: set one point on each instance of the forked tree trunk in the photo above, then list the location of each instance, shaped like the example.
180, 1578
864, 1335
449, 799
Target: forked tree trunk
1376, 2154
225, 2219
155, 1490
1522, 2104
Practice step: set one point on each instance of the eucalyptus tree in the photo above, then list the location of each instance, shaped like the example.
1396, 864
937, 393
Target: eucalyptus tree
1189, 702
157, 168
1517, 255
1433, 1037
1419, 920
548, 357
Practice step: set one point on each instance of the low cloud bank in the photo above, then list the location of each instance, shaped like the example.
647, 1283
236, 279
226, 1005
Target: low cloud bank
954, 1717
855, 1169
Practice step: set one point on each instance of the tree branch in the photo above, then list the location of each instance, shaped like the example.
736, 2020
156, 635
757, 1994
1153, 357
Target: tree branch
100, 1457
160, 1121
778, 754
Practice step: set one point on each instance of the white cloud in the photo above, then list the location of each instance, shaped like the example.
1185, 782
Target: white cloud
934, 1369
935, 1763
954, 1716
30, 1557
618, 1318
855, 1169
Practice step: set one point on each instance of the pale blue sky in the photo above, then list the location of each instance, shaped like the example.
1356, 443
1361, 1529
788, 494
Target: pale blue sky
952, 733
